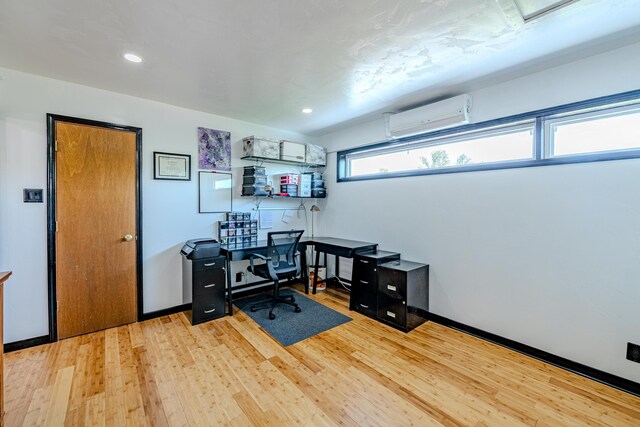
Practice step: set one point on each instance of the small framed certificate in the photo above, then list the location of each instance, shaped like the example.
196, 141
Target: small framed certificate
171, 166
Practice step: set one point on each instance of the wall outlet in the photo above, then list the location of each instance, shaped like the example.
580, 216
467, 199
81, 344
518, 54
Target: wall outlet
633, 352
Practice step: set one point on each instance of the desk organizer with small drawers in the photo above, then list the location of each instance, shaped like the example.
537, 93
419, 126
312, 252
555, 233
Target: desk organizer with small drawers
389, 289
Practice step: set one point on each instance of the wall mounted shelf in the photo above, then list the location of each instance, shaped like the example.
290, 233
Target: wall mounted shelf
282, 197
284, 162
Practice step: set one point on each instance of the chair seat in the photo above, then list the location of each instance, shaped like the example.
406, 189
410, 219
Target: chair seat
283, 270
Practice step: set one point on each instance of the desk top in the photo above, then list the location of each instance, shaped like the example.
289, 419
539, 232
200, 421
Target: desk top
328, 241
342, 243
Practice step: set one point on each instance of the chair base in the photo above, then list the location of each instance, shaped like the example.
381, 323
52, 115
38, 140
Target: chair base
276, 299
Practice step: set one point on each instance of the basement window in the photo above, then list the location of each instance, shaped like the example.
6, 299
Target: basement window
611, 130
599, 129
493, 145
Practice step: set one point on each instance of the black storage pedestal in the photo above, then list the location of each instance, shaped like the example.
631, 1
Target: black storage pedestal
204, 279
390, 290
208, 289
364, 281
403, 294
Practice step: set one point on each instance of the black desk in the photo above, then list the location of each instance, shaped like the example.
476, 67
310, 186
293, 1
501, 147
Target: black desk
338, 247
327, 245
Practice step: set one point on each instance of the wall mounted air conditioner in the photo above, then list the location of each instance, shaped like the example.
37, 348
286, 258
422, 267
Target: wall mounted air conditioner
450, 112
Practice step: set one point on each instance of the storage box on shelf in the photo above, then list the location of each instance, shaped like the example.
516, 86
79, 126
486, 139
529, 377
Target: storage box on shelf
305, 185
255, 146
282, 151
292, 151
316, 154
290, 189
254, 181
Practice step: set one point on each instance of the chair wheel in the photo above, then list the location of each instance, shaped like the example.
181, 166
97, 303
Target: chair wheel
297, 310
293, 299
272, 316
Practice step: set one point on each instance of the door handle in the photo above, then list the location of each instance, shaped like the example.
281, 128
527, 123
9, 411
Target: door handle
210, 286
210, 311
128, 237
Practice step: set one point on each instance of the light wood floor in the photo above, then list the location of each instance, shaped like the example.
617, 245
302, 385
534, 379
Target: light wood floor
229, 371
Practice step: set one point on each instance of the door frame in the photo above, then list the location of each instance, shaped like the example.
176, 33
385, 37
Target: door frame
52, 119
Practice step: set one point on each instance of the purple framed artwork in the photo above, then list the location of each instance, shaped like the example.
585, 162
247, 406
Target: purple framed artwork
214, 149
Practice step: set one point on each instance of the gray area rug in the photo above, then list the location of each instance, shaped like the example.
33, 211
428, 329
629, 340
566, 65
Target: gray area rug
289, 327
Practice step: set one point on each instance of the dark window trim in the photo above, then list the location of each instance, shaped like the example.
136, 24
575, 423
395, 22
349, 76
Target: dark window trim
537, 115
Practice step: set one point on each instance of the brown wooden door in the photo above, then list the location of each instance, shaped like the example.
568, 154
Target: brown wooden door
96, 281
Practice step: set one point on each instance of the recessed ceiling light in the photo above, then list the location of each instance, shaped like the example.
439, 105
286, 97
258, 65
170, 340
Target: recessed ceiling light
132, 57
307, 110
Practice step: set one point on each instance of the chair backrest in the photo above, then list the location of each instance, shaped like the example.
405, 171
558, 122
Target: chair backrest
283, 244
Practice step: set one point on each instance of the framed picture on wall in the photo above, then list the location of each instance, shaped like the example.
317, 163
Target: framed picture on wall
214, 149
176, 167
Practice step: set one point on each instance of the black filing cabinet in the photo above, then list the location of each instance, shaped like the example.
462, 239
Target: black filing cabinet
364, 280
208, 289
403, 294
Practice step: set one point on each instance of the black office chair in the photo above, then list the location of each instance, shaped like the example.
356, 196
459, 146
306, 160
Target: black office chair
282, 262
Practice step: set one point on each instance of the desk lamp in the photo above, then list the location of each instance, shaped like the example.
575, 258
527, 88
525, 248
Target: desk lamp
314, 209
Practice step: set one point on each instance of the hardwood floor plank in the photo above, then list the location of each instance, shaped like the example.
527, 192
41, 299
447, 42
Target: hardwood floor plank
57, 411
165, 372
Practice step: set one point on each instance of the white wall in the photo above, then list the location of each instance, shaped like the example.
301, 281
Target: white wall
546, 256
169, 208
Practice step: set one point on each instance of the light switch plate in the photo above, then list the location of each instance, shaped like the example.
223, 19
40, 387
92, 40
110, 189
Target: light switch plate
33, 195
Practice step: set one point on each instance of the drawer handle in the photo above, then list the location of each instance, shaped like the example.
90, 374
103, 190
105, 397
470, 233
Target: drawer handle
364, 306
392, 288
362, 281
210, 286
391, 314
210, 264
364, 262
212, 310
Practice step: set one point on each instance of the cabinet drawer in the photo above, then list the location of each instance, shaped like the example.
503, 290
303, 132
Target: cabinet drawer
392, 310
207, 307
208, 280
365, 303
392, 283
205, 264
364, 283
365, 271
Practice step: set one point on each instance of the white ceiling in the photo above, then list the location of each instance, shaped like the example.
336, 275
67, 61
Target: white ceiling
262, 61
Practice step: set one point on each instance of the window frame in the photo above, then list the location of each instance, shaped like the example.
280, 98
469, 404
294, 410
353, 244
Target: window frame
542, 119
445, 140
